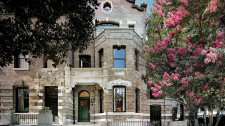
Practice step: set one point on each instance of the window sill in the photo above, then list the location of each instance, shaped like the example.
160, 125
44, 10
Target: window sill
21, 69
119, 68
49, 69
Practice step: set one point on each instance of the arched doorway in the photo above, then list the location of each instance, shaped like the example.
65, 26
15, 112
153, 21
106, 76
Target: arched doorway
84, 107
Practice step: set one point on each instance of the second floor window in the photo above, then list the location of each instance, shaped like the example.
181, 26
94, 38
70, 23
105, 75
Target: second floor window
85, 61
20, 61
119, 57
100, 52
136, 60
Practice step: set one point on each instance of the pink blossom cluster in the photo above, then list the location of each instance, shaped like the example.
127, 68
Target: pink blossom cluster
198, 100
182, 51
175, 76
206, 87
184, 82
158, 9
199, 75
188, 39
190, 94
151, 65
197, 51
164, 2
220, 40
166, 76
156, 90
172, 56
164, 83
210, 57
213, 5
185, 2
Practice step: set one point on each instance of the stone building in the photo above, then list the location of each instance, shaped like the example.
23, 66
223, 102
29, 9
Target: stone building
102, 83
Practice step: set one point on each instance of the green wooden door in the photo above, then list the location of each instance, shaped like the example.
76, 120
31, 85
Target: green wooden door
84, 110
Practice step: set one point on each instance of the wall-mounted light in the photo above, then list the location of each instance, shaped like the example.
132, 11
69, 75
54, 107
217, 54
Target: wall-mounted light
92, 101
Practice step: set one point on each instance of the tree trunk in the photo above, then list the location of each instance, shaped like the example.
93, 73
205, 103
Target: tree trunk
192, 119
204, 117
218, 117
211, 117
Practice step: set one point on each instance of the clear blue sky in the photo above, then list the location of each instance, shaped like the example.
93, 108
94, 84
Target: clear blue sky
149, 2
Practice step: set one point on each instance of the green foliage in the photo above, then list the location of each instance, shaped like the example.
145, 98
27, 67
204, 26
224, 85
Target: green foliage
45, 27
45, 108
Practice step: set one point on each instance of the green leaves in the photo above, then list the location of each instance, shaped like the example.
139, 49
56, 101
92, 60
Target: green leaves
38, 28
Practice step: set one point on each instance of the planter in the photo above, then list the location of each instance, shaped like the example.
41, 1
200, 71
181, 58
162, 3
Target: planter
45, 118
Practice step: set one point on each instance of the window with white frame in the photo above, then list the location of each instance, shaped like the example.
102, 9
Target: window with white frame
20, 61
119, 98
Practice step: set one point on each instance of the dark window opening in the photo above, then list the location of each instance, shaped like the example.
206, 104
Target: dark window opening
72, 65
51, 99
107, 7
136, 60
119, 57
137, 102
20, 61
85, 61
119, 99
155, 115
101, 101
22, 99
100, 52
45, 63
177, 111
131, 26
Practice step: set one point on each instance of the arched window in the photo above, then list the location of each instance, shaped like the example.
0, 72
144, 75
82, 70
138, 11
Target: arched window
119, 98
100, 28
84, 94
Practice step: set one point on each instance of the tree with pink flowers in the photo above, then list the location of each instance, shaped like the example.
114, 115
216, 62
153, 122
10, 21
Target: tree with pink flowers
186, 55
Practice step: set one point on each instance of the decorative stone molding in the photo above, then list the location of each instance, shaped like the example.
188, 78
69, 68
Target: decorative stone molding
52, 79
118, 82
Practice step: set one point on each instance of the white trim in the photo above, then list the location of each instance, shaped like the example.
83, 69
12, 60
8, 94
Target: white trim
60, 100
121, 22
22, 68
138, 119
101, 120
118, 82
131, 22
60, 94
60, 107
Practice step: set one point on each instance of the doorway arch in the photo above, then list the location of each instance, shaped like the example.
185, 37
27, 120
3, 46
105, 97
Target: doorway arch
83, 106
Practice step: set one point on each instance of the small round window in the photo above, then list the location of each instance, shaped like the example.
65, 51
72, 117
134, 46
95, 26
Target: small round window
107, 6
